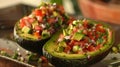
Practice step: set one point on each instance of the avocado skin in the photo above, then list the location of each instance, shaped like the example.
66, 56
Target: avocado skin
86, 62
33, 46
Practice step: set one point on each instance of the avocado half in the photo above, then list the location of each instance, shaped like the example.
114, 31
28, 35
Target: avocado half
33, 31
61, 59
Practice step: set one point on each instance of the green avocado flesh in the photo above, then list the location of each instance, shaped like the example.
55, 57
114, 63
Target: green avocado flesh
51, 46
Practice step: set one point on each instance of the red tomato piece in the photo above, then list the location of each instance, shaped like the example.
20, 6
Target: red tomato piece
86, 40
82, 44
91, 48
85, 23
98, 46
22, 23
26, 21
37, 34
75, 30
38, 12
30, 20
61, 9
70, 20
100, 28
71, 44
51, 20
90, 33
39, 18
38, 28
92, 37
76, 43
67, 49
85, 32
97, 36
44, 59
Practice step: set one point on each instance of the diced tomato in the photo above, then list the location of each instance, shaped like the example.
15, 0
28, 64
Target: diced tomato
76, 43
51, 20
71, 20
91, 48
85, 23
71, 44
61, 9
92, 37
44, 60
22, 23
86, 40
97, 36
44, 10
98, 46
38, 28
85, 32
39, 18
90, 33
84, 49
104, 37
67, 49
28, 19
100, 28
98, 25
75, 30
38, 12
82, 43
37, 34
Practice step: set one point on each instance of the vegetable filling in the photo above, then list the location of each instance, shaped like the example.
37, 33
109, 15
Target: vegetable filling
44, 21
82, 36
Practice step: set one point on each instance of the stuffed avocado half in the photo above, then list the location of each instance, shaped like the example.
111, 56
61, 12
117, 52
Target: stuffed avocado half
83, 43
32, 31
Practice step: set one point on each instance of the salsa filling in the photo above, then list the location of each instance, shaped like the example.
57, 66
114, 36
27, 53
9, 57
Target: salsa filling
82, 36
43, 21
